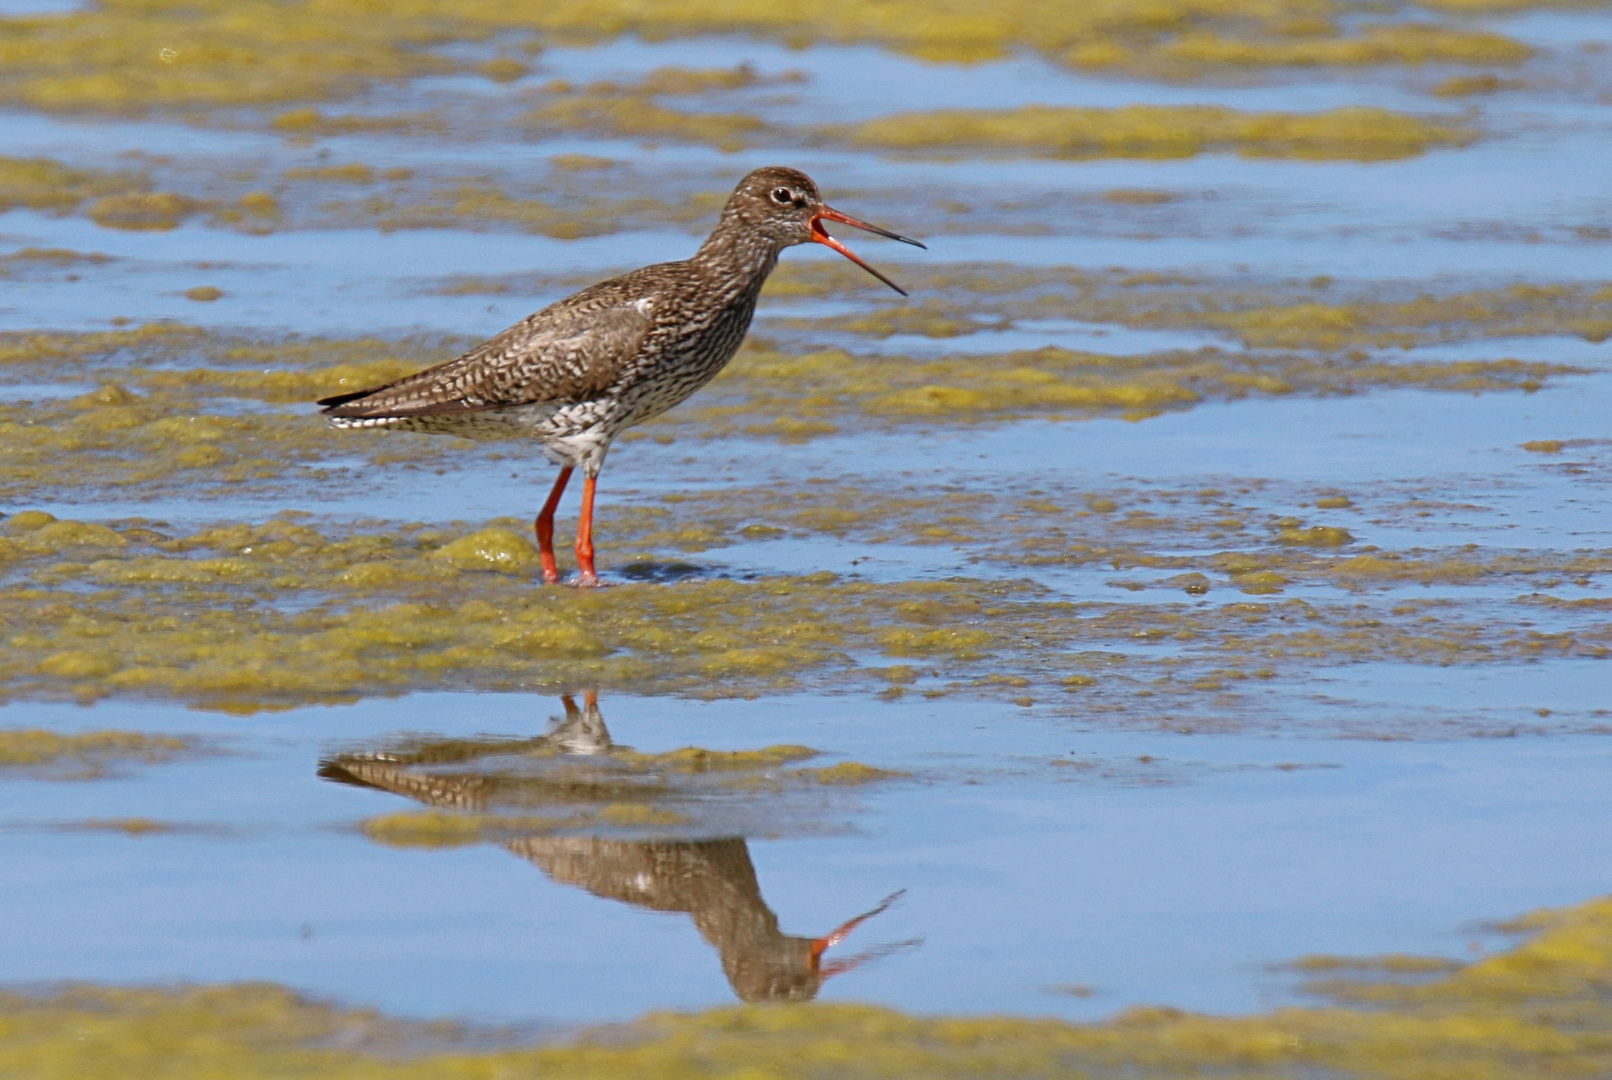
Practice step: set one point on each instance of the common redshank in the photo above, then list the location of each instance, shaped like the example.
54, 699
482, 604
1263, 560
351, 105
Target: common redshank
578, 373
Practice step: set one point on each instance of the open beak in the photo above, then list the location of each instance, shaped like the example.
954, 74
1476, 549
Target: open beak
820, 235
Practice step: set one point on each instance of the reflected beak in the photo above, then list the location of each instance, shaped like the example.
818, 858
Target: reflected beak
820, 235
839, 933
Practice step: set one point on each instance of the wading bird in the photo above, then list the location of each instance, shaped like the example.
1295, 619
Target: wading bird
579, 372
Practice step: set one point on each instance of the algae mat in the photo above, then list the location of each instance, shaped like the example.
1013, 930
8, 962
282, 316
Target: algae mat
134, 56
1534, 1011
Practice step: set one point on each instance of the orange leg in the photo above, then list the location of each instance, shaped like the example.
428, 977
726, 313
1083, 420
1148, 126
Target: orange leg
545, 529
585, 572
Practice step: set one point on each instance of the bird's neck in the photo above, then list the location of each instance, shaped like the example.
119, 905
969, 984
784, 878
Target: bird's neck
737, 255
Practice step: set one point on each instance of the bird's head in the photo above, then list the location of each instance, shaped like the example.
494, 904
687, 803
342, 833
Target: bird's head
782, 205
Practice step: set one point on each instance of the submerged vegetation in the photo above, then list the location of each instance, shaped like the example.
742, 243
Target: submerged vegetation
1538, 1009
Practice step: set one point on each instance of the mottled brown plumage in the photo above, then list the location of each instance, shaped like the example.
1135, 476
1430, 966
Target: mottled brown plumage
576, 374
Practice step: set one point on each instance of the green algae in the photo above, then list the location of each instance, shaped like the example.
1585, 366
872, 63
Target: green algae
134, 55
1469, 85
164, 438
795, 397
86, 755
1160, 131
298, 612
1390, 964
1395, 43
245, 616
116, 200
42, 184
630, 110
186, 412
356, 194
439, 829
640, 117
309, 121
1535, 1010
1319, 314
128, 56
849, 773
633, 111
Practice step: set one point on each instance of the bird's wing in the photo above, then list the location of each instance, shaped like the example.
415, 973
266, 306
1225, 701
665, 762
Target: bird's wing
567, 352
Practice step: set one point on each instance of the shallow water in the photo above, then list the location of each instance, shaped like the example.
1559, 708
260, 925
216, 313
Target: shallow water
1146, 866
1351, 804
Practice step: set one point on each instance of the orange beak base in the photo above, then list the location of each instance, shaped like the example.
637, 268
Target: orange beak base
820, 235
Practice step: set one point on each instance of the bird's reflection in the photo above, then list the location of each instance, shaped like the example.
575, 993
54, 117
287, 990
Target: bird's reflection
712, 880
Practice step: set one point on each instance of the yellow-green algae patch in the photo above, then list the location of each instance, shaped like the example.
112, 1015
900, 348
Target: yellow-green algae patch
355, 194
35, 751
631, 111
1318, 314
117, 200
244, 616
43, 184
130, 826
440, 829
641, 117
159, 434
184, 413
1163, 131
1538, 1009
132, 55
1397, 43
791, 396
849, 773
1468, 85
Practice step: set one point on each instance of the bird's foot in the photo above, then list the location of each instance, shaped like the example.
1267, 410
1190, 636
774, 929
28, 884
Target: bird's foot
589, 581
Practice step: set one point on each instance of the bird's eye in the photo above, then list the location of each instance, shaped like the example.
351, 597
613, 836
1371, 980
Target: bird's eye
783, 196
